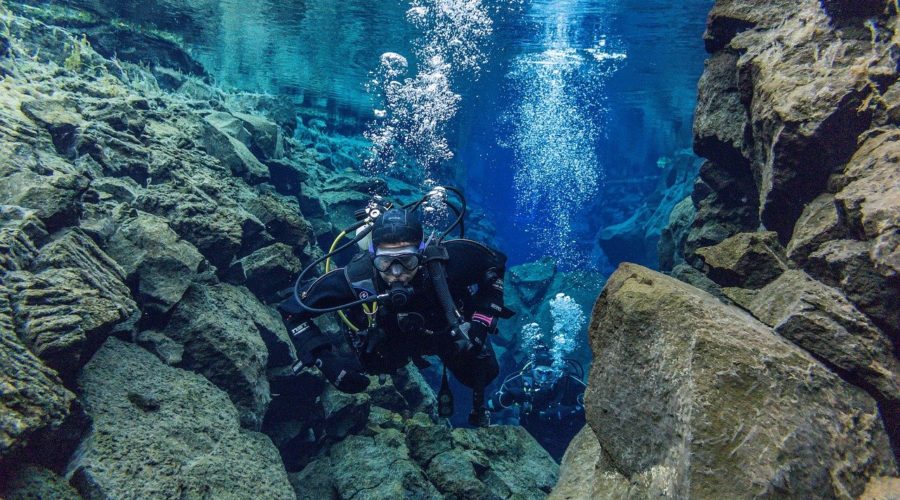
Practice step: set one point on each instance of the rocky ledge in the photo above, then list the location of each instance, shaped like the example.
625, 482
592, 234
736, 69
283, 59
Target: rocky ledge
780, 377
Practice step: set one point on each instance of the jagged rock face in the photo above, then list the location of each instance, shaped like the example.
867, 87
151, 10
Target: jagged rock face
820, 320
37, 482
747, 260
225, 331
69, 300
717, 404
159, 429
416, 459
797, 114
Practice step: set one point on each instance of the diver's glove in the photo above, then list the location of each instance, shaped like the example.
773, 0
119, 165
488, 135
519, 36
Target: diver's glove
342, 372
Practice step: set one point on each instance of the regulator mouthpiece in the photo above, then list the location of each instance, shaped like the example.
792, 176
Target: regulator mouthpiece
399, 294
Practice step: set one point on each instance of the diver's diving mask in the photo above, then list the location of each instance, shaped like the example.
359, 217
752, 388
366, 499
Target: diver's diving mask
543, 375
407, 258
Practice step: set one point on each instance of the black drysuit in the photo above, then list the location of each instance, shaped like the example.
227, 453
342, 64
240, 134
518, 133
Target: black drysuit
475, 279
553, 415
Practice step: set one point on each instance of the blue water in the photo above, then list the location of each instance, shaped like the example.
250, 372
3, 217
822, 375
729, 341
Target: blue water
614, 96
557, 117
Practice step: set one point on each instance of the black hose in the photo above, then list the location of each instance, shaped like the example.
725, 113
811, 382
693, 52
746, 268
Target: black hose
316, 310
462, 212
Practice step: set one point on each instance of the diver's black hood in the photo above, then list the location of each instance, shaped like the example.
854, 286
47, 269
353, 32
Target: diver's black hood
397, 226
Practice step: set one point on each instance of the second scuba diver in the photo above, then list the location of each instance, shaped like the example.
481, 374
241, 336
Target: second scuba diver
401, 299
550, 401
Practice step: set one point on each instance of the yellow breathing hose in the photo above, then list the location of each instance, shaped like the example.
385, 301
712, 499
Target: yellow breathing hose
370, 312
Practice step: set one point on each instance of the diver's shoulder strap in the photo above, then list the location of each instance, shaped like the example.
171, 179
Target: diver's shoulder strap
360, 275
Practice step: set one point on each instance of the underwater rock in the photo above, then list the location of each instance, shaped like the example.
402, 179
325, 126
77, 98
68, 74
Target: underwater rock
532, 280
281, 216
747, 260
344, 413
718, 405
847, 265
33, 482
869, 197
416, 392
508, 461
159, 429
363, 467
234, 154
819, 223
721, 123
166, 349
674, 235
34, 399
21, 234
266, 271
266, 139
211, 222
586, 472
159, 264
222, 329
820, 320
69, 300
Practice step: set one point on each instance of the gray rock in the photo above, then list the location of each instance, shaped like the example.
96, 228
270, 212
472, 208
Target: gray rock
166, 349
427, 441
818, 223
21, 234
344, 413
674, 236
315, 482
233, 153
511, 463
69, 301
265, 135
35, 483
415, 390
847, 265
870, 198
199, 211
230, 125
721, 122
747, 260
455, 475
532, 279
402, 479
266, 271
220, 327
820, 320
718, 405
159, 430
156, 260
586, 473
33, 400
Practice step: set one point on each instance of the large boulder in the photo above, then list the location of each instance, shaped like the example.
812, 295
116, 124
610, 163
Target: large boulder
821, 320
266, 139
69, 301
717, 404
159, 429
234, 154
531, 280
747, 260
158, 263
222, 328
847, 265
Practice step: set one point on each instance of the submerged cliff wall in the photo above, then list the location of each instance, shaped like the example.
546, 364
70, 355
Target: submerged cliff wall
781, 378
147, 222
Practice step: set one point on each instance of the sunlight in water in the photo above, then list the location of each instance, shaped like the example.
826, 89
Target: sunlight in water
554, 132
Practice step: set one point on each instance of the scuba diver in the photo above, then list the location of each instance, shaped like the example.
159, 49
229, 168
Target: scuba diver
402, 298
550, 401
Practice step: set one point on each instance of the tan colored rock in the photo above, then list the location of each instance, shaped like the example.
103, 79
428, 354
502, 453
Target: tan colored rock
818, 223
882, 488
717, 405
871, 197
748, 260
822, 321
